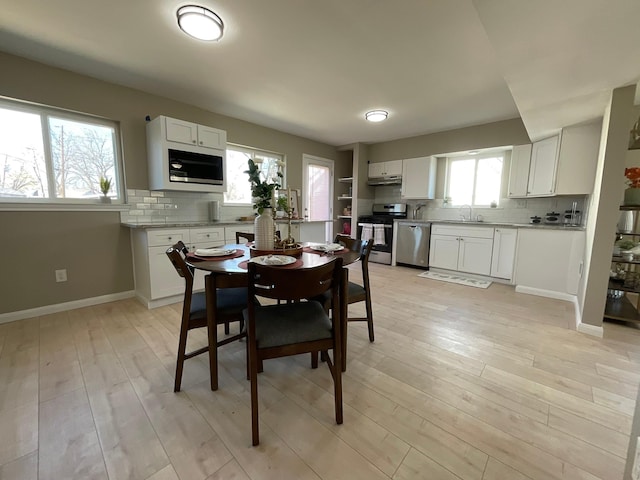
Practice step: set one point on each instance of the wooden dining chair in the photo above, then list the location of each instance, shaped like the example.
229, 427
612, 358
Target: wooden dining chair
227, 300
354, 293
249, 237
294, 326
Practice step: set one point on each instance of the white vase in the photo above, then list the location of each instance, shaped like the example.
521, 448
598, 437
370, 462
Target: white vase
265, 230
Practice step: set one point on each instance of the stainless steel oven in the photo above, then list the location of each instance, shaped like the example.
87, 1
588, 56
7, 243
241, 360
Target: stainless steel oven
379, 227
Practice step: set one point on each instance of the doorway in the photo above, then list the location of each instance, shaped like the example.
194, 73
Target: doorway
317, 187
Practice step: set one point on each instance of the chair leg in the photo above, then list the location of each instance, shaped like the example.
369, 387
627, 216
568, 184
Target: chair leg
253, 374
314, 359
226, 328
337, 381
369, 318
182, 347
212, 333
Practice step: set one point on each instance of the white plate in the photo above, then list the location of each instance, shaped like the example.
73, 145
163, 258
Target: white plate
274, 260
327, 247
214, 252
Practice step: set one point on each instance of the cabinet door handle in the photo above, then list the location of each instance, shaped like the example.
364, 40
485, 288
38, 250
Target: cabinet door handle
169, 238
201, 142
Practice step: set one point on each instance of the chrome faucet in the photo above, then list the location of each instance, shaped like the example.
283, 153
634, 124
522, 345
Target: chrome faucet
462, 216
416, 210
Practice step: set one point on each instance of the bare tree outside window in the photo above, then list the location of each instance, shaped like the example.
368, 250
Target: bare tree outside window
46, 156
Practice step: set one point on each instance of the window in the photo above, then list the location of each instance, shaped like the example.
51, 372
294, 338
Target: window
474, 180
238, 186
49, 155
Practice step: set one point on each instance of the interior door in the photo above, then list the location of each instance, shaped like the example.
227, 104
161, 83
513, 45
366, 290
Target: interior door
317, 191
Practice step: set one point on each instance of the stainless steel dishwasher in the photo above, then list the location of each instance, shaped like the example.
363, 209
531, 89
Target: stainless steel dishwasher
413, 244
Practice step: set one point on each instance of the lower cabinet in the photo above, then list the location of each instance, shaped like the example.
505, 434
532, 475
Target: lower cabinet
550, 260
461, 248
504, 252
157, 282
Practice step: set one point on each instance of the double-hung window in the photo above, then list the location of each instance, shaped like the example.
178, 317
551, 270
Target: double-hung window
474, 180
54, 156
237, 162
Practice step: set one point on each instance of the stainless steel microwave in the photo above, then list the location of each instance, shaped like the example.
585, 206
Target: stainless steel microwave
191, 167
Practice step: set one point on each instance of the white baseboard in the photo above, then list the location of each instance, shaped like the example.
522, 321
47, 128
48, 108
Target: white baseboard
545, 293
160, 302
62, 307
591, 330
580, 327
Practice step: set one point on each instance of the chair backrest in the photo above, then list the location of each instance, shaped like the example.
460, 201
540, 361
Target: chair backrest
249, 237
353, 244
176, 254
294, 284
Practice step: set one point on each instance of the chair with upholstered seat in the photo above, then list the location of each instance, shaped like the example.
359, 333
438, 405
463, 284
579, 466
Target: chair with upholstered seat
294, 326
355, 292
249, 237
227, 304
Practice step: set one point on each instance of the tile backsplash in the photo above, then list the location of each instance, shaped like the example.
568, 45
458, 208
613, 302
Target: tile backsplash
160, 207
509, 210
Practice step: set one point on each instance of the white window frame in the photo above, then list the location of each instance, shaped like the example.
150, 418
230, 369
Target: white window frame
253, 153
118, 185
450, 160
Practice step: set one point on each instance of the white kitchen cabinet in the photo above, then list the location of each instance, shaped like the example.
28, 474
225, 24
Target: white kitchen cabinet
542, 171
549, 262
560, 165
519, 172
186, 132
504, 252
155, 276
157, 282
461, 248
204, 237
418, 178
384, 169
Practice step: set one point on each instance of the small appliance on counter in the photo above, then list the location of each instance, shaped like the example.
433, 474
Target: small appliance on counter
535, 219
552, 218
571, 217
214, 211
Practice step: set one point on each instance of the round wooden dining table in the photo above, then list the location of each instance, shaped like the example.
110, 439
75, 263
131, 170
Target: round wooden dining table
231, 271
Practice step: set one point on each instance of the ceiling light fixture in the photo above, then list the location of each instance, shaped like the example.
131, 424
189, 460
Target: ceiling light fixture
376, 115
200, 23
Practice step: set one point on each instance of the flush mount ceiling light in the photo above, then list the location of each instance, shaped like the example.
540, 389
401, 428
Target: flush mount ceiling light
200, 23
376, 115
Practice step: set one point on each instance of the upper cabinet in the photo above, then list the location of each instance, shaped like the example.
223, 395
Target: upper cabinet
519, 173
194, 134
560, 165
419, 178
385, 169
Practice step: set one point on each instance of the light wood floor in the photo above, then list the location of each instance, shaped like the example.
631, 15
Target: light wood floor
461, 383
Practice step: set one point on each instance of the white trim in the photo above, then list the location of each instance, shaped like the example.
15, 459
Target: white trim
63, 307
545, 293
160, 302
591, 330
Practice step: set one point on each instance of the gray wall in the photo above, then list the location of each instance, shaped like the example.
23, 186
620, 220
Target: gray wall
41, 241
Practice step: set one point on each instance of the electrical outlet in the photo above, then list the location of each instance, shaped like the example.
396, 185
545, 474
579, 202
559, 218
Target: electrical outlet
521, 203
61, 275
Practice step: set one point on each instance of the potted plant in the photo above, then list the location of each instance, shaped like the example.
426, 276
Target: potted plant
263, 192
105, 186
282, 206
632, 194
625, 247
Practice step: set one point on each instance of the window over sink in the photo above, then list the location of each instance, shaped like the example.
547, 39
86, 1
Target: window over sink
474, 179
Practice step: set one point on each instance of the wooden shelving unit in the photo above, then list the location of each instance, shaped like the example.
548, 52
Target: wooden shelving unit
624, 308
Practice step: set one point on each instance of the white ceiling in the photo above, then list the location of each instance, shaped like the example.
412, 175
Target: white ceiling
313, 68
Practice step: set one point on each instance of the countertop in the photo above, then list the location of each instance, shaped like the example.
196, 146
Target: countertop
232, 223
544, 226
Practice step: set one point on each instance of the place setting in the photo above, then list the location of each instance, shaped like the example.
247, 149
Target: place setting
214, 254
325, 248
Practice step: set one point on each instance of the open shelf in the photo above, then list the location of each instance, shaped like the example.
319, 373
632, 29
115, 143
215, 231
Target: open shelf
343, 197
620, 286
345, 179
621, 309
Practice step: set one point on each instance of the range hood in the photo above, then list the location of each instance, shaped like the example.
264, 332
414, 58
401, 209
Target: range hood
387, 180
